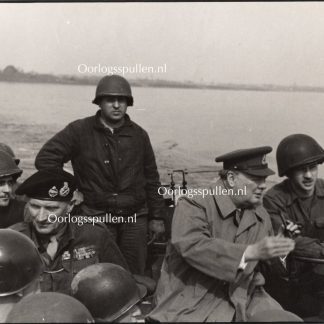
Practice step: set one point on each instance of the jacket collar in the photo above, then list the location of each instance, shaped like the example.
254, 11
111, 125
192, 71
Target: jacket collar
292, 195
98, 124
64, 239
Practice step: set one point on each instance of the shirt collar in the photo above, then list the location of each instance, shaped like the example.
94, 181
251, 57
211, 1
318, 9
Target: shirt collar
63, 238
98, 124
318, 192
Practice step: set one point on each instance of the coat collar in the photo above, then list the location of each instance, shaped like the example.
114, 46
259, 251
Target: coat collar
227, 208
224, 202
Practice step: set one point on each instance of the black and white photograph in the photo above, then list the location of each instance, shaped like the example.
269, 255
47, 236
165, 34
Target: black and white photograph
161, 162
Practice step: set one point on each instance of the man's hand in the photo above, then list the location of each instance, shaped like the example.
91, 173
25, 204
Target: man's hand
156, 228
291, 229
269, 247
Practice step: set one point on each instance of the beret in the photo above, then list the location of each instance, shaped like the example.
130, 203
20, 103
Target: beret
49, 184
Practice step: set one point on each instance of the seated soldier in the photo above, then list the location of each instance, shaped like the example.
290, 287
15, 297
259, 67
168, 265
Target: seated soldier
11, 209
109, 292
65, 247
20, 268
299, 200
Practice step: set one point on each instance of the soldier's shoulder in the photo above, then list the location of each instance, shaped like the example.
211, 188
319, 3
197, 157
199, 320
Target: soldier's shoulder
95, 230
82, 122
278, 191
197, 201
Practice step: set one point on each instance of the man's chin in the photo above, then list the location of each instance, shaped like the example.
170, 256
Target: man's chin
255, 203
4, 202
44, 230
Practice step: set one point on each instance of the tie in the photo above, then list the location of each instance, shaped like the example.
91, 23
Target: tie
52, 247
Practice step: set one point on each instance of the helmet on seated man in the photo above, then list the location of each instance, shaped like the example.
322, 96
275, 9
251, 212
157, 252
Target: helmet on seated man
109, 292
20, 269
49, 307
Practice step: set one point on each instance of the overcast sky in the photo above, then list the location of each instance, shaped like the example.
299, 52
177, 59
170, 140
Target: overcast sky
281, 43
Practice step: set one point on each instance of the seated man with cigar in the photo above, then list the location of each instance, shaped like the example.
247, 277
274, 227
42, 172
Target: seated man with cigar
210, 272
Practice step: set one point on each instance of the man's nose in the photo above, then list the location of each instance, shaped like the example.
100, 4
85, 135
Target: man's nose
42, 215
116, 103
6, 188
262, 185
308, 173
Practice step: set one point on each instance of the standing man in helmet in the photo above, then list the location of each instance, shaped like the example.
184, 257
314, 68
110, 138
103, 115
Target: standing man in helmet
65, 244
20, 269
115, 168
299, 200
11, 209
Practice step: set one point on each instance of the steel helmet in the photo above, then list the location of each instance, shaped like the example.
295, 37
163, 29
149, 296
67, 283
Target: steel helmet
297, 150
20, 262
6, 148
8, 166
113, 85
107, 290
49, 307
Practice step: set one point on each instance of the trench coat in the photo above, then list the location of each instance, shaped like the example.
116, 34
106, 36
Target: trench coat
201, 279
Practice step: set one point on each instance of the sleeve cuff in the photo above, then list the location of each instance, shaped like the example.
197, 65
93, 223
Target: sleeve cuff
243, 263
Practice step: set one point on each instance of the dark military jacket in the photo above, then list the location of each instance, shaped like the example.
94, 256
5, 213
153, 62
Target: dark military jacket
79, 247
310, 214
116, 172
12, 214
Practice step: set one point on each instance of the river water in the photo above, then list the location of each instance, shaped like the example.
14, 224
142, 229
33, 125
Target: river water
188, 127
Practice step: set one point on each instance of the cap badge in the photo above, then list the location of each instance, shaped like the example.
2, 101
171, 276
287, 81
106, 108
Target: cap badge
53, 192
65, 190
264, 160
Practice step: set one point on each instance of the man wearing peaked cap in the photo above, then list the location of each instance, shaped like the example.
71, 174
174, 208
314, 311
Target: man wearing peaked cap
65, 244
250, 161
210, 272
298, 200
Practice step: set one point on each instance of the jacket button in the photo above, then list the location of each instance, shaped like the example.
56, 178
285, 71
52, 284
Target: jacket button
106, 162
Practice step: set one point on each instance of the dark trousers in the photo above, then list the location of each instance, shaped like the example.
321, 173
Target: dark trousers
303, 296
131, 238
